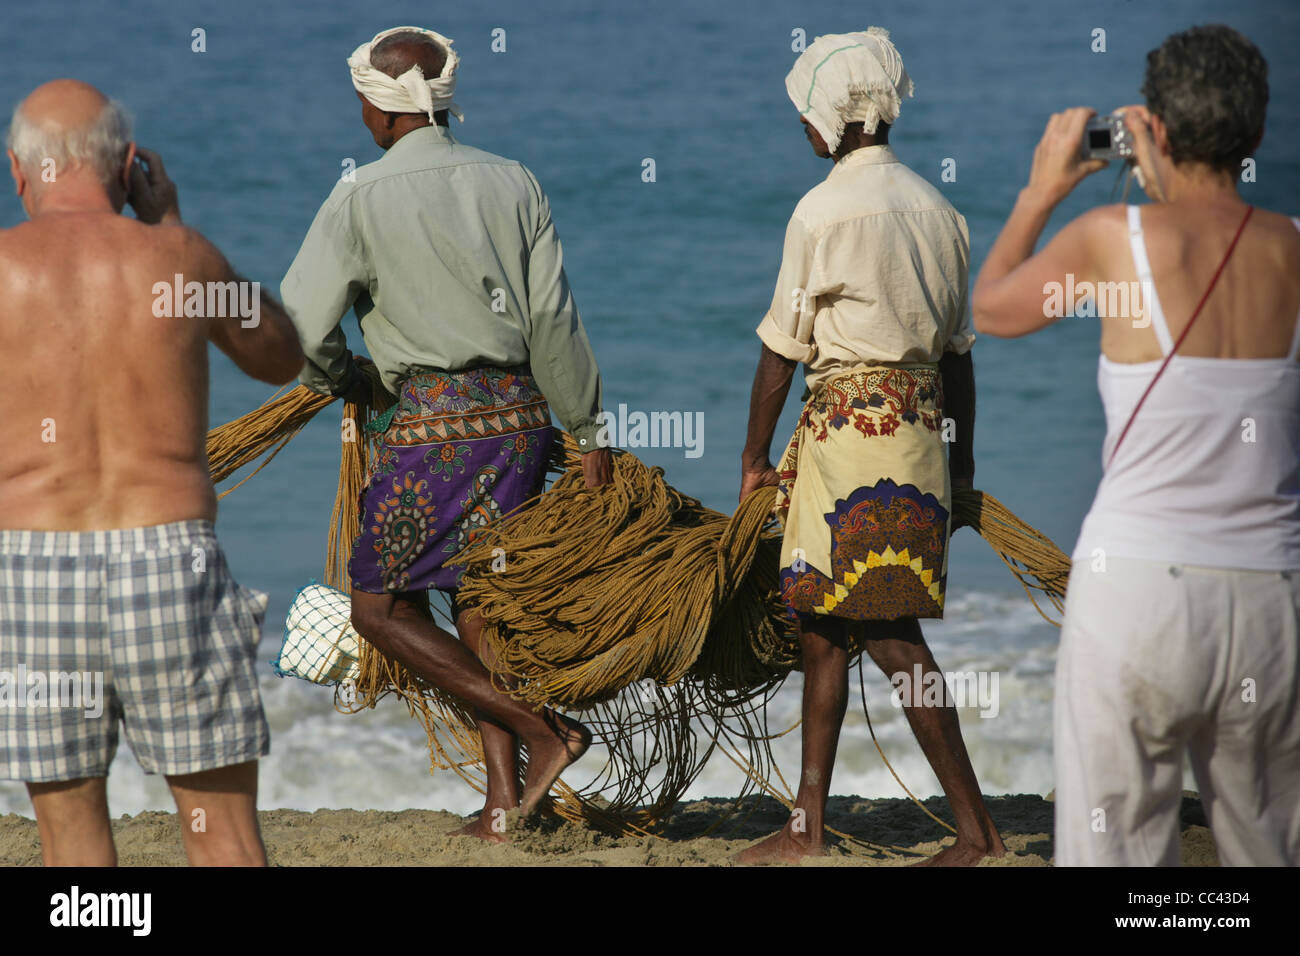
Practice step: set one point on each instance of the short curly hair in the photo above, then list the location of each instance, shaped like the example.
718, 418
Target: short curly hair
1209, 85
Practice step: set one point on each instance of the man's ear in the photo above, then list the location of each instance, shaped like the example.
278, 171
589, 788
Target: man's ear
126, 169
20, 181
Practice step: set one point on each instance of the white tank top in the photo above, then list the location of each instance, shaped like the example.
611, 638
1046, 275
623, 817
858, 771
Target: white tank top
1209, 474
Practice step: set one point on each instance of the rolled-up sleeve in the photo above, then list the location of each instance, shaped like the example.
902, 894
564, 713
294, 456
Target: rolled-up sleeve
560, 354
963, 337
787, 327
323, 282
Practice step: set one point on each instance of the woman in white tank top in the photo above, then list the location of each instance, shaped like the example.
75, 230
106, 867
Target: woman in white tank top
1182, 621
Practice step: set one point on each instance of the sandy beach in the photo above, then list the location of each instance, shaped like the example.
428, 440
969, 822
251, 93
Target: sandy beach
897, 832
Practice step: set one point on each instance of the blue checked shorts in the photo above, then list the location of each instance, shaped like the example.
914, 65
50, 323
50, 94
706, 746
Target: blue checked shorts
153, 618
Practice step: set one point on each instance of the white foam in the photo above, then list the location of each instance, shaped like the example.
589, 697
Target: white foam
379, 759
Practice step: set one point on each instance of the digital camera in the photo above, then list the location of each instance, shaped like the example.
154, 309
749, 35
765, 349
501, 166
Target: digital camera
1106, 137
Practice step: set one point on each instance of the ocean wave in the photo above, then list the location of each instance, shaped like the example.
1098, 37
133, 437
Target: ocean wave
378, 759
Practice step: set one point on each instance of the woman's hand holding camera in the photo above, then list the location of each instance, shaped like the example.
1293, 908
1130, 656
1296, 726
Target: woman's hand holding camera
1058, 164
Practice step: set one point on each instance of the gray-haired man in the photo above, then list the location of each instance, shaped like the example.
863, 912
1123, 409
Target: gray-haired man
116, 604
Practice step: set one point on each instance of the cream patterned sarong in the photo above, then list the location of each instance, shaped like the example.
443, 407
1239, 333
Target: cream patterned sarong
865, 498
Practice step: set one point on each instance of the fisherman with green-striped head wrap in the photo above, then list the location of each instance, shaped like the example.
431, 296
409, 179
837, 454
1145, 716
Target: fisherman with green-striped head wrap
871, 298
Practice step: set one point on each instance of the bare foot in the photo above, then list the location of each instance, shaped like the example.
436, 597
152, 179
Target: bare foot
490, 825
780, 847
549, 754
966, 853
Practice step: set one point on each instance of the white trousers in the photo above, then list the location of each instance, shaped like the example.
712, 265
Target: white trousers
1158, 660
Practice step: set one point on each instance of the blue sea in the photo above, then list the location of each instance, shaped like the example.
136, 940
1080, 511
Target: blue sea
671, 276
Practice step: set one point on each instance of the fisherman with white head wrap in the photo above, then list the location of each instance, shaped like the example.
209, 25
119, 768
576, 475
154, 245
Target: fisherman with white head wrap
849, 78
412, 91
449, 258
871, 298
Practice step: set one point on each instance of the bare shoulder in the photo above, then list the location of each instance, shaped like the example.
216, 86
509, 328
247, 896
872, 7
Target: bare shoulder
1105, 229
193, 253
1094, 242
17, 242
11, 239
21, 254
1286, 229
1277, 243
1095, 230
1103, 224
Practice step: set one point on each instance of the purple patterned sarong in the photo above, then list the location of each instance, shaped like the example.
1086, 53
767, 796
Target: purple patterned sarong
462, 449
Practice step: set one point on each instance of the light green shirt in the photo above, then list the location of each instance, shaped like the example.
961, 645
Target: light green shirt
450, 259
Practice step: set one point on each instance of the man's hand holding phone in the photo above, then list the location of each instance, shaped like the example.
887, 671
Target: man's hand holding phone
152, 194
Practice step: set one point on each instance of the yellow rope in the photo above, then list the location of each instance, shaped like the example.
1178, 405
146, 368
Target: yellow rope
656, 617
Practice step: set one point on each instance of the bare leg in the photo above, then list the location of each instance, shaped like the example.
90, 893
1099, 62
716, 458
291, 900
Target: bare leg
825, 698
72, 819
500, 746
396, 625
898, 646
218, 815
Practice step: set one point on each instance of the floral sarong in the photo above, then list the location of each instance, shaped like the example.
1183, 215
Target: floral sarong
865, 498
461, 450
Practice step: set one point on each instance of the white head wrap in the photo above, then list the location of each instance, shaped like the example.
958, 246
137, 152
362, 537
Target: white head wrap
848, 78
411, 92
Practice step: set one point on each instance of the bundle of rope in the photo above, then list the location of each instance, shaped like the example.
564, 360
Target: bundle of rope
655, 616
586, 593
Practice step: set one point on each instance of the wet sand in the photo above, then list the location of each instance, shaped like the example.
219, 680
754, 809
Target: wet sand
897, 831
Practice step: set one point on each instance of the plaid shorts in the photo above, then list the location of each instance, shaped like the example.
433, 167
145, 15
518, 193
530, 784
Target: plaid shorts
139, 626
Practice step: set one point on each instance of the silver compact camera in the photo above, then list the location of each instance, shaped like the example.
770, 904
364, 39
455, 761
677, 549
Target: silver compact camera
1106, 137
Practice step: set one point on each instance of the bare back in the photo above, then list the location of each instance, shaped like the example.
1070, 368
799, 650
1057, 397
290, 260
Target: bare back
1252, 312
103, 407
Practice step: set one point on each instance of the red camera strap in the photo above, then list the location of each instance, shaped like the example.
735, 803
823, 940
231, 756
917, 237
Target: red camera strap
1190, 322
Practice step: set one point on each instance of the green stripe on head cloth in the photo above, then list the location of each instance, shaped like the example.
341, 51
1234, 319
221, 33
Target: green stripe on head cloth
848, 78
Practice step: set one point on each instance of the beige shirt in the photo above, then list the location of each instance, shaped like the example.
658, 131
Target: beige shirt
874, 272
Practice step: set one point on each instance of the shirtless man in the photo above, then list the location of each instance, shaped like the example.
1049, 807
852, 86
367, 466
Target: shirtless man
109, 567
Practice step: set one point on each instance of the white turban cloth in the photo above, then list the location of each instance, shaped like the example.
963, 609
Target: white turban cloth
848, 78
411, 92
